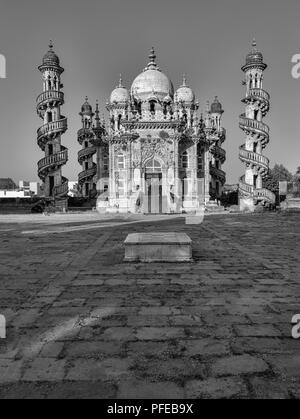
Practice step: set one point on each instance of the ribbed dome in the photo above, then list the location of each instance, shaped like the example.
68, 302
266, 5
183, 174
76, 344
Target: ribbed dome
120, 94
255, 57
50, 58
152, 82
184, 93
86, 108
216, 106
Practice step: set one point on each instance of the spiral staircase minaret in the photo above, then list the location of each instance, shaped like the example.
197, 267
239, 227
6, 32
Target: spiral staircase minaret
49, 105
87, 176
257, 104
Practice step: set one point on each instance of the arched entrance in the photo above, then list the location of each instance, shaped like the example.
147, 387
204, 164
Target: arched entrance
153, 187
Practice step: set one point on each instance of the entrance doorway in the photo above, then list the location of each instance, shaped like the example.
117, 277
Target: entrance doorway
51, 185
153, 190
154, 193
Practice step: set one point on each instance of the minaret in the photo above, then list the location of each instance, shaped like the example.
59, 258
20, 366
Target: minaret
257, 103
86, 177
49, 134
218, 154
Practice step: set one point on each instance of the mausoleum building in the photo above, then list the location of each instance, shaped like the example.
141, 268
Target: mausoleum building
158, 155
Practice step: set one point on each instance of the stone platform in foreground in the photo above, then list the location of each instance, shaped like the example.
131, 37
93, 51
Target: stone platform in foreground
82, 323
158, 247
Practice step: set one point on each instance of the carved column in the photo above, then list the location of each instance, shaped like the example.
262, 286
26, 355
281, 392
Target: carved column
207, 174
176, 166
195, 164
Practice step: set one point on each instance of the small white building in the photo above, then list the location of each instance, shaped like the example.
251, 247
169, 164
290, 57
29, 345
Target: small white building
14, 194
33, 188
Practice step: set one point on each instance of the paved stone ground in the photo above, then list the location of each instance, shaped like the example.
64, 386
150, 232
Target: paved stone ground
81, 323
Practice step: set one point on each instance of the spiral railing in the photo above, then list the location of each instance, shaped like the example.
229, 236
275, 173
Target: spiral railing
46, 134
257, 132
87, 175
218, 174
86, 155
219, 153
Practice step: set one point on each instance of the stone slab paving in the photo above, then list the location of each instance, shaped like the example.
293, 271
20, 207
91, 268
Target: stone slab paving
82, 323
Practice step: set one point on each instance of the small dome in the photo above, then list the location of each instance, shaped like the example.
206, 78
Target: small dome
86, 108
120, 94
185, 93
168, 99
216, 106
50, 58
255, 57
152, 81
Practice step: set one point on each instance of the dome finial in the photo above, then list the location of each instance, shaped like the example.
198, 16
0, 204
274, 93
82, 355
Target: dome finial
152, 63
51, 45
86, 99
97, 112
254, 44
120, 81
152, 56
184, 80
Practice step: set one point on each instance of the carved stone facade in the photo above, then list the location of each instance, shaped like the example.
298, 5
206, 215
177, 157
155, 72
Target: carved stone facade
157, 155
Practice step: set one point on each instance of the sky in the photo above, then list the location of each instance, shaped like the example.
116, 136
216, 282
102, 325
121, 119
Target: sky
97, 40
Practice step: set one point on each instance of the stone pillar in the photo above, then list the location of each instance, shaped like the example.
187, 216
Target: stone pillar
206, 176
176, 167
195, 165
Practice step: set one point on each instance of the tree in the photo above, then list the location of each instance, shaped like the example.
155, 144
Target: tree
278, 174
297, 175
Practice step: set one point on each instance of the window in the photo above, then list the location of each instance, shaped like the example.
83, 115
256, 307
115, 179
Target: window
121, 161
105, 163
153, 166
50, 149
200, 162
119, 121
185, 160
152, 107
121, 187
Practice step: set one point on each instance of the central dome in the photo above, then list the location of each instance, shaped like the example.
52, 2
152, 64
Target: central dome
152, 82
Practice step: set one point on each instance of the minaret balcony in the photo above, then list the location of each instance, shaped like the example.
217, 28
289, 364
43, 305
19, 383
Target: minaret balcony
260, 93
83, 134
253, 124
265, 194
49, 96
244, 187
55, 127
219, 153
218, 174
61, 190
57, 159
86, 153
87, 174
252, 157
